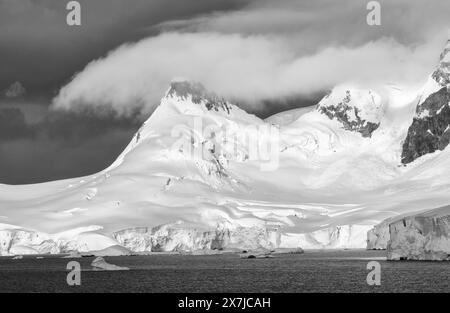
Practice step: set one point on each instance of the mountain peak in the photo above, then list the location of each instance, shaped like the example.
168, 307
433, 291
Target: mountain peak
197, 93
186, 88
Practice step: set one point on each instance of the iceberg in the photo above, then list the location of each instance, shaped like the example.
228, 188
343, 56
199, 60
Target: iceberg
424, 236
99, 264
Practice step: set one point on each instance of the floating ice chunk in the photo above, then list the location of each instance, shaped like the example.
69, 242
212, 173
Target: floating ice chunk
259, 254
99, 264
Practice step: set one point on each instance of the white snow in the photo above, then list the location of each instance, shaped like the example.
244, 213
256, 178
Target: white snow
429, 88
287, 117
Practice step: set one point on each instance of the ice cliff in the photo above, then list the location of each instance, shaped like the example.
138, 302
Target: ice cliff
378, 236
182, 238
424, 236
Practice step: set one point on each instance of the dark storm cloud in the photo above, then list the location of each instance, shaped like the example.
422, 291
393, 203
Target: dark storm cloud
61, 145
39, 49
26, 161
12, 124
312, 25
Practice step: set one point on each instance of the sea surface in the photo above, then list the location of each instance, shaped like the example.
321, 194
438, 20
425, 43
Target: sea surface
313, 271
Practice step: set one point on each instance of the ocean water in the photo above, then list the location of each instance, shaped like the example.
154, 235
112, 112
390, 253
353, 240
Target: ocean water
313, 271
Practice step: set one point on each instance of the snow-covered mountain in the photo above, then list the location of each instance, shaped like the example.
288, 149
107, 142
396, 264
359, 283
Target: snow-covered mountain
203, 174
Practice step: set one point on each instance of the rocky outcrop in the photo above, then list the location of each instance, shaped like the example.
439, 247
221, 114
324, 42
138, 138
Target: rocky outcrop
430, 129
424, 236
357, 110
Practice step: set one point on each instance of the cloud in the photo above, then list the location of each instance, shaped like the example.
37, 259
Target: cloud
250, 68
39, 49
265, 51
322, 23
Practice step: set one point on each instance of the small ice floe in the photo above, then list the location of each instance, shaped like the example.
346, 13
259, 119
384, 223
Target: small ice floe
263, 254
99, 264
39, 257
18, 257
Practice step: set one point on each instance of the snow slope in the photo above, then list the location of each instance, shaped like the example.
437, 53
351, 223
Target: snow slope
192, 178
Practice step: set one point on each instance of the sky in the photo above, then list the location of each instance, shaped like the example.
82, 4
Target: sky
89, 87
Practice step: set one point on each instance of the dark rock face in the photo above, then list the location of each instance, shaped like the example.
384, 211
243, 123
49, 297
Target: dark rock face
342, 112
430, 130
197, 91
